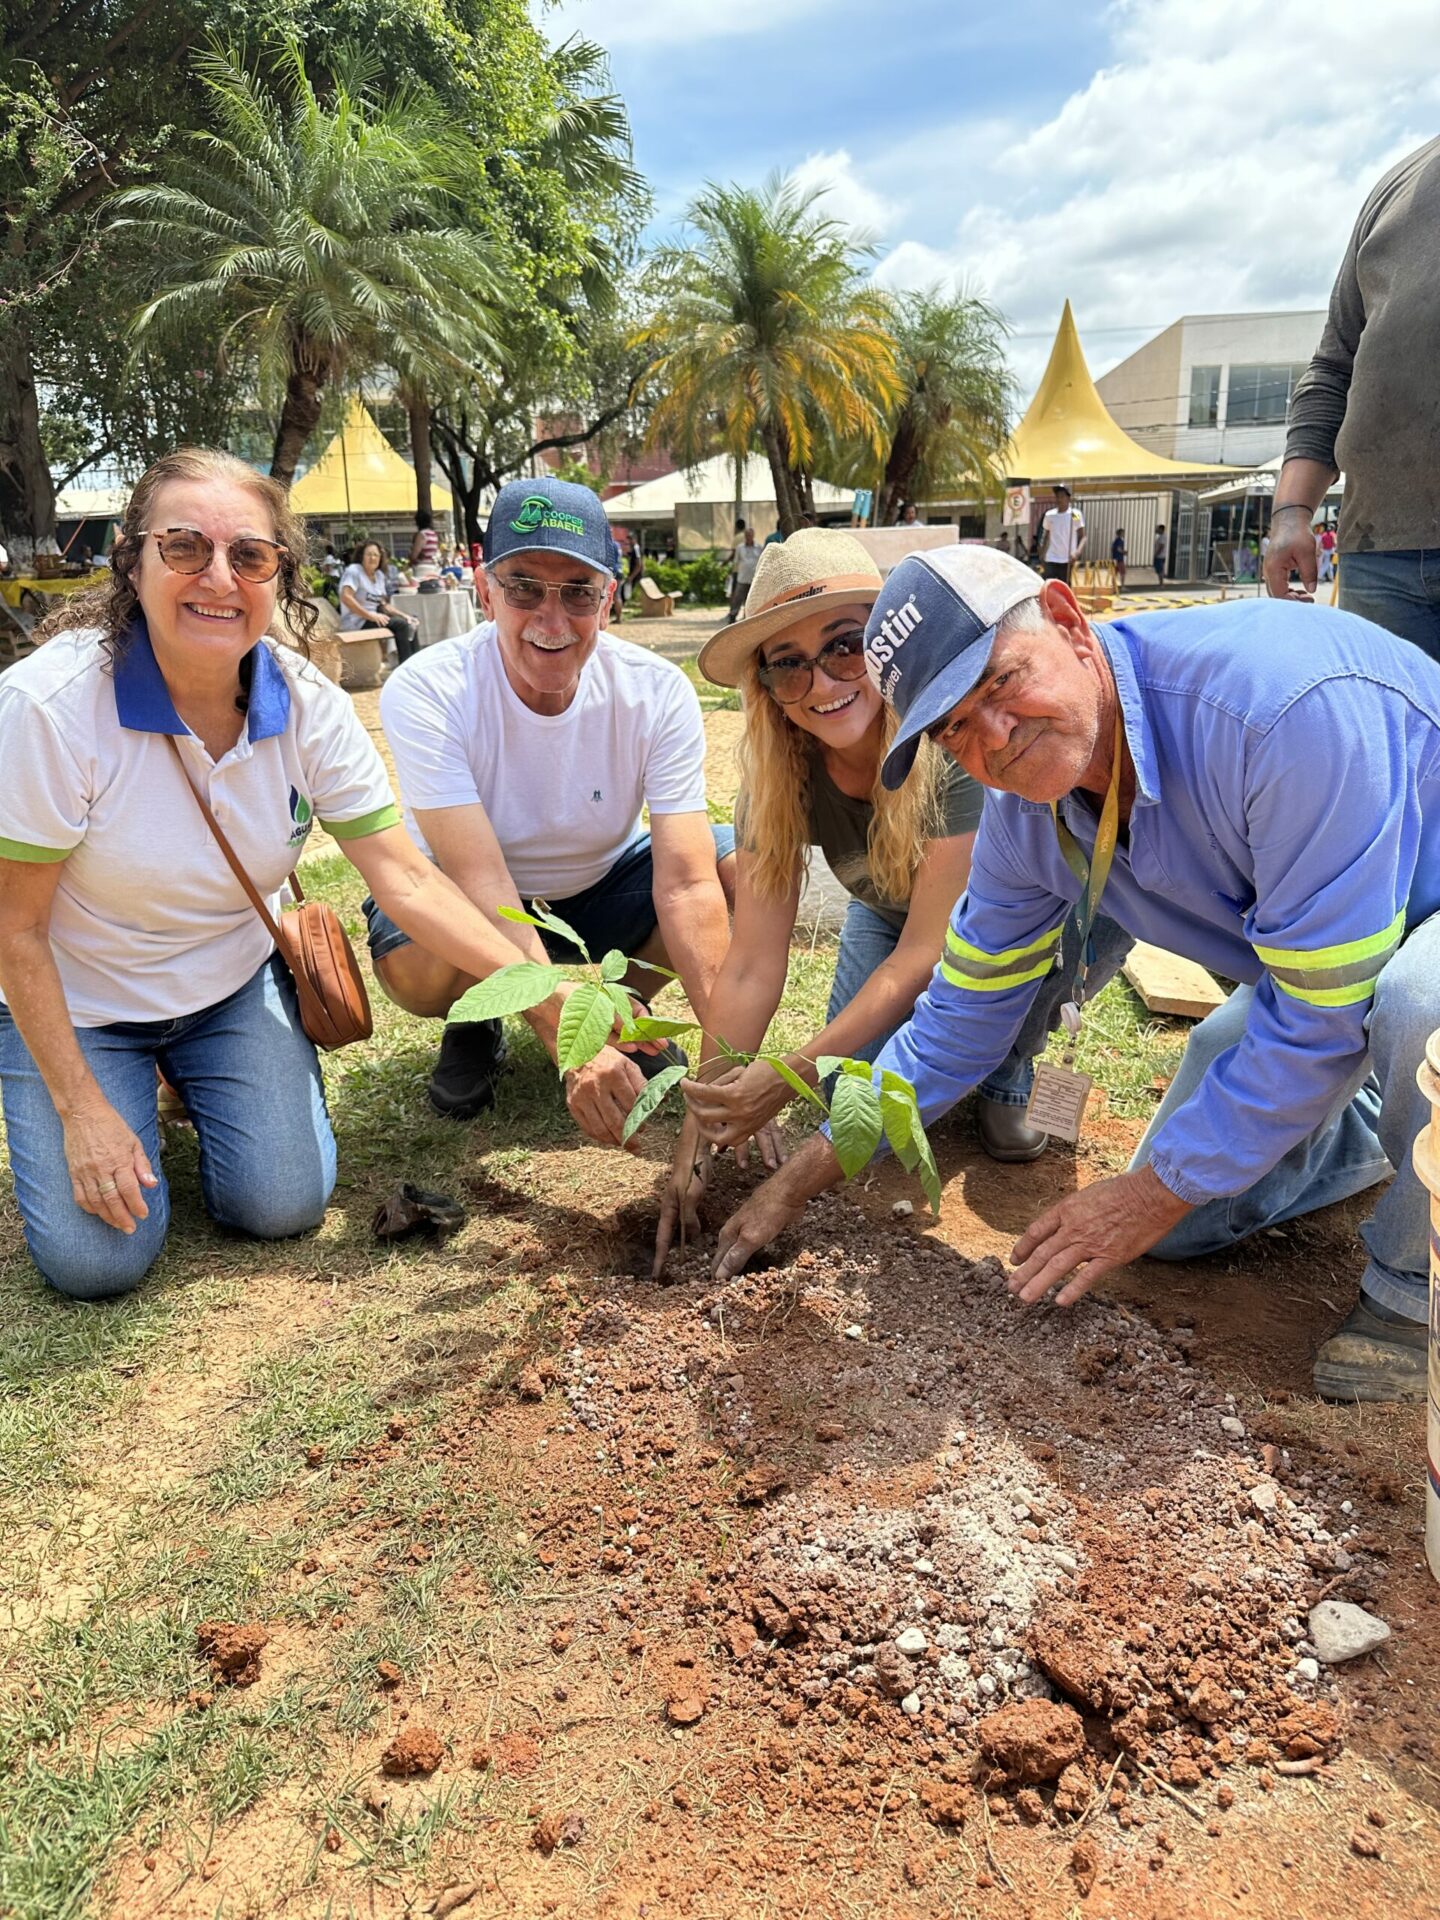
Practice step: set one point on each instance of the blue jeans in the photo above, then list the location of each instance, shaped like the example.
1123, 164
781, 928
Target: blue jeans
1398, 591
867, 938
251, 1082
1371, 1131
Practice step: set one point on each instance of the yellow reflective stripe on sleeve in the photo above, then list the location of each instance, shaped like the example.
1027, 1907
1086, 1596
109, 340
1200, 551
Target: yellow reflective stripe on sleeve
376, 822
962, 951
998, 982
1337, 976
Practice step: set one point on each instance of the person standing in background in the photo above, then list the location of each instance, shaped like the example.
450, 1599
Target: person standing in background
1117, 556
743, 562
425, 554
1157, 558
1368, 403
1064, 528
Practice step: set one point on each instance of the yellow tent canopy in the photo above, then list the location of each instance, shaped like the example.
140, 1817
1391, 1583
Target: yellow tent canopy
360, 474
1067, 434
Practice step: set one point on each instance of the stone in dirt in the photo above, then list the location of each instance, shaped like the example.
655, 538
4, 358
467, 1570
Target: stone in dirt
414, 1751
1078, 1655
233, 1649
1339, 1630
684, 1709
911, 1641
1085, 1863
388, 1674
1032, 1740
530, 1386
894, 1675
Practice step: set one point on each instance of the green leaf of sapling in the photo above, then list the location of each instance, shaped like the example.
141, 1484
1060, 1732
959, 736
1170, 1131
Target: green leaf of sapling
542, 917
614, 966
855, 1123
792, 1079
585, 1022
647, 1027
512, 989
655, 1092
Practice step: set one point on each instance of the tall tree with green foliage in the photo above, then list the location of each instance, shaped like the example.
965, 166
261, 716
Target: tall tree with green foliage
565, 373
314, 232
951, 424
94, 92
765, 329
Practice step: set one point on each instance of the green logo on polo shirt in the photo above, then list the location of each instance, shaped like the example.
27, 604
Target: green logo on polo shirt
537, 510
300, 817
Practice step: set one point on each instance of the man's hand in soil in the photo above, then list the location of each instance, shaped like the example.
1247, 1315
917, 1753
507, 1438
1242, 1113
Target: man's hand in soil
600, 1095
1071, 1245
777, 1204
732, 1106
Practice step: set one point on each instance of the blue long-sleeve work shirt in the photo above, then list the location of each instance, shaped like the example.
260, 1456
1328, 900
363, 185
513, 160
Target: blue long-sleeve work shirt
1285, 832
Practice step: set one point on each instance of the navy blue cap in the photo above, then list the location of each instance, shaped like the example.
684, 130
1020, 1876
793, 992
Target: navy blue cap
551, 516
929, 635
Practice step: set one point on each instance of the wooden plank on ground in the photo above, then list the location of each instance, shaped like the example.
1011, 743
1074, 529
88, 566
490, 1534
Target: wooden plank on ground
1168, 984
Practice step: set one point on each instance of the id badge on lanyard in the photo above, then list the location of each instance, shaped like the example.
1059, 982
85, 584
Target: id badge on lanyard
1059, 1094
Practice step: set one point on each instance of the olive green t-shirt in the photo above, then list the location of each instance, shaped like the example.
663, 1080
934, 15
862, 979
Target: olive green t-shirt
840, 827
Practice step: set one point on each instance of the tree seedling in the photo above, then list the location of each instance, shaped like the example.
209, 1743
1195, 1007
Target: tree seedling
861, 1110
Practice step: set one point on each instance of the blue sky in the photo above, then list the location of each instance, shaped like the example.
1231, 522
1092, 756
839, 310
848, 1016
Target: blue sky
1145, 158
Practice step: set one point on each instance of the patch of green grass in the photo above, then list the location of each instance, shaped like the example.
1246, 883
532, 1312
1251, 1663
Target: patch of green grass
713, 699
1127, 1049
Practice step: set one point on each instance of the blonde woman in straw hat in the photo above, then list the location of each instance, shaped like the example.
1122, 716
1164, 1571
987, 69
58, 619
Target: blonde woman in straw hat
816, 735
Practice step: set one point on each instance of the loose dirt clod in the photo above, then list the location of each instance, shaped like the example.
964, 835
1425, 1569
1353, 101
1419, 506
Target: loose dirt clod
1032, 1740
1085, 1864
684, 1709
555, 1830
414, 1751
233, 1650
388, 1674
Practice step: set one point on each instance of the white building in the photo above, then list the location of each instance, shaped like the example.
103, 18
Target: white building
1214, 386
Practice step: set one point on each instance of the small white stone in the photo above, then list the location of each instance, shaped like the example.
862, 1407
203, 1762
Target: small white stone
1235, 1428
1065, 1560
1347, 1506
911, 1641
1339, 1630
1307, 1670
902, 1207
1264, 1496
910, 1705
924, 1566
986, 1684
1019, 1511
959, 1437
854, 1333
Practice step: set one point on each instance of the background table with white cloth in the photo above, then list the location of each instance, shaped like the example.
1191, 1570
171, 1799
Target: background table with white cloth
440, 615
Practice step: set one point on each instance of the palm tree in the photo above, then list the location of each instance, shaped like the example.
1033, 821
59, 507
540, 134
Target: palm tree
952, 421
765, 330
319, 235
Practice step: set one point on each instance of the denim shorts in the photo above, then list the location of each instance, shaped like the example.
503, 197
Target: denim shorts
618, 911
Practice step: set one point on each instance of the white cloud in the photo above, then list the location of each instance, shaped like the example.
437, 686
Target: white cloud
658, 23
847, 197
1215, 164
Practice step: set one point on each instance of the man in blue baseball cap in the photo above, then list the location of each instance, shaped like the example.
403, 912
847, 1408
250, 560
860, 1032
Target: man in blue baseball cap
526, 751
1254, 785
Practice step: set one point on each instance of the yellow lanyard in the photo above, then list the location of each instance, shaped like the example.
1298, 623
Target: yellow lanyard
1092, 873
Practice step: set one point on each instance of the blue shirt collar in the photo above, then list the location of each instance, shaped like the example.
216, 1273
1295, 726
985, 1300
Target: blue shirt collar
1133, 717
143, 701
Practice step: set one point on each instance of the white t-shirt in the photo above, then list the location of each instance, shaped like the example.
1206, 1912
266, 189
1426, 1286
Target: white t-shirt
562, 791
148, 921
1062, 533
746, 561
369, 589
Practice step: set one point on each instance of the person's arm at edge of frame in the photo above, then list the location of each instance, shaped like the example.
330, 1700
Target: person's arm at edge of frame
690, 911
99, 1145
1317, 413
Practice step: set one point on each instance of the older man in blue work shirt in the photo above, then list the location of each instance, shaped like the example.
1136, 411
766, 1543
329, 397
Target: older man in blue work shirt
1277, 774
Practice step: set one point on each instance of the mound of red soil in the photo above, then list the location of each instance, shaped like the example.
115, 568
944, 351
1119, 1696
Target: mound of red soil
1032, 1740
416, 1750
233, 1650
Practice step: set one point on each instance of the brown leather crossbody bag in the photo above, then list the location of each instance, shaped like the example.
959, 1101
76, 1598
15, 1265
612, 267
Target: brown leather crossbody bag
334, 1006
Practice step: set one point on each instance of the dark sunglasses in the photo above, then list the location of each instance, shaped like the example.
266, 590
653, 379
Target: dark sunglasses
791, 677
526, 594
187, 550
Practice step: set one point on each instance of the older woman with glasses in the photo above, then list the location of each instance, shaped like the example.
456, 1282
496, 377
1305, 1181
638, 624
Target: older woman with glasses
127, 945
816, 734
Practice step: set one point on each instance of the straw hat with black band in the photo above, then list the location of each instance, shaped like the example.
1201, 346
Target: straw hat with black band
816, 568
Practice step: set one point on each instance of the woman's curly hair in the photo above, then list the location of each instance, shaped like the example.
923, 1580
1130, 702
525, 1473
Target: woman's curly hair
113, 606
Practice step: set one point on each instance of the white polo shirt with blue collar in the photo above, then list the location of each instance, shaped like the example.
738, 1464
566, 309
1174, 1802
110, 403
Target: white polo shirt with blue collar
148, 921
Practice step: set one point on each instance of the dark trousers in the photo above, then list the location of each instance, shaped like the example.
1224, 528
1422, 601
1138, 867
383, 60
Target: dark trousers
406, 634
1058, 570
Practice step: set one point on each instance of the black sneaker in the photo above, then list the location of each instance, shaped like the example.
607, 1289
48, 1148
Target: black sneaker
471, 1060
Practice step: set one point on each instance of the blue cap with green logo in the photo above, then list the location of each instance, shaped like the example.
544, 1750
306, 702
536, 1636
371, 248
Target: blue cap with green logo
550, 516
